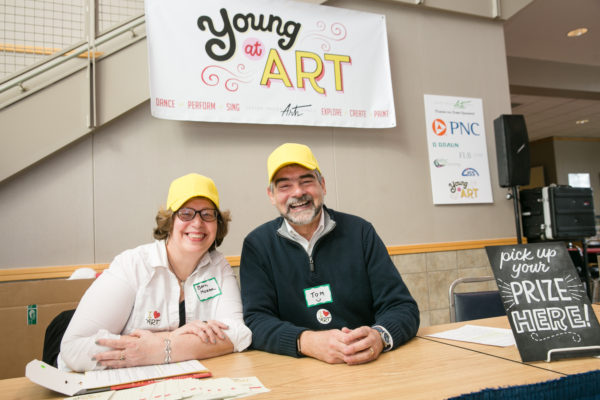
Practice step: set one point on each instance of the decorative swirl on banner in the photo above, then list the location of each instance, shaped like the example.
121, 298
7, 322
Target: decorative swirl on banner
576, 337
338, 33
212, 75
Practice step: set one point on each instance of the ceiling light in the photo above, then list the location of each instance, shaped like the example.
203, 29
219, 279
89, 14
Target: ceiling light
582, 121
577, 32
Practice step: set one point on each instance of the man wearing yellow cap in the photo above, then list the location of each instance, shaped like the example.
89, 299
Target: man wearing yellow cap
317, 282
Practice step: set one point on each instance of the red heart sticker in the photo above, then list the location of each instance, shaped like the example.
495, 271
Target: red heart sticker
156, 314
325, 313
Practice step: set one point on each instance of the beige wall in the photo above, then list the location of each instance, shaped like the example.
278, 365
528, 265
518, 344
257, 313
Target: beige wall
542, 154
579, 156
99, 196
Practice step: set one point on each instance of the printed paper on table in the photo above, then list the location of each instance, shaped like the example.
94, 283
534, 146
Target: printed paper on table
71, 383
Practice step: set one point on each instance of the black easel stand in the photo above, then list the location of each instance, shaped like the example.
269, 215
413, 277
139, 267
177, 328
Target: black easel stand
572, 352
586, 269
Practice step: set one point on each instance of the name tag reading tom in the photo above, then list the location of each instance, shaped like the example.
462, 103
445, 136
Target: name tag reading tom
318, 295
207, 289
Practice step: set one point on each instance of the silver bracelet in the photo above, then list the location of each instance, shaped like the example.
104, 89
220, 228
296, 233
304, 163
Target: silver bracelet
167, 351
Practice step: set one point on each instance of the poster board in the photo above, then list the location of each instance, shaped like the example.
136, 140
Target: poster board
547, 306
268, 62
456, 143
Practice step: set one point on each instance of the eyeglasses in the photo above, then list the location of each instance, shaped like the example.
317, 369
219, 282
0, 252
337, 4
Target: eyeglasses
206, 214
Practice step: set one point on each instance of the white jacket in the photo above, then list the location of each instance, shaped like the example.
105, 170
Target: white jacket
139, 291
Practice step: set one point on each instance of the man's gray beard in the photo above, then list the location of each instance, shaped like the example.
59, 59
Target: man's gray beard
303, 221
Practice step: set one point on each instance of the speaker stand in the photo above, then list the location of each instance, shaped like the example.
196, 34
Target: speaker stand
515, 197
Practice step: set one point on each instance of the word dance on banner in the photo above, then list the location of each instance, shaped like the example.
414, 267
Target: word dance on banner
268, 62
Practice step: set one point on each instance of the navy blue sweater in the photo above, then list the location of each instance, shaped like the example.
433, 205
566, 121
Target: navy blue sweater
365, 285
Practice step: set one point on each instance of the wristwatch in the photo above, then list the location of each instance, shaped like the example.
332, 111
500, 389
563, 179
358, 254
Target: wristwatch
386, 338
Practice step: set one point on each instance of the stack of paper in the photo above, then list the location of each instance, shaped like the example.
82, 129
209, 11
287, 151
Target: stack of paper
92, 381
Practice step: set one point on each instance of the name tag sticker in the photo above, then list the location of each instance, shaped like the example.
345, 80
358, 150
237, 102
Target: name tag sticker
207, 289
318, 295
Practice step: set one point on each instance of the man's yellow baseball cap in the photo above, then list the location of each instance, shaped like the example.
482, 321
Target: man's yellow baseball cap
188, 186
291, 153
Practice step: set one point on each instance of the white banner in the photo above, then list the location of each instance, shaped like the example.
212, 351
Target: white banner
268, 62
458, 158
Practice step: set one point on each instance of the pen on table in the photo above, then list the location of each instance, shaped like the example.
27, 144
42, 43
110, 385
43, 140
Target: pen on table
148, 382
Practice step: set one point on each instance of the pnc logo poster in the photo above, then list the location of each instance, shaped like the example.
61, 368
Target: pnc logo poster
456, 139
439, 127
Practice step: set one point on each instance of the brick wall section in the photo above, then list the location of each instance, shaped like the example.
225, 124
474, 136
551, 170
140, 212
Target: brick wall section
429, 275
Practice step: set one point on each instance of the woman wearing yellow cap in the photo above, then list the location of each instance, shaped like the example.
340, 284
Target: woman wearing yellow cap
171, 300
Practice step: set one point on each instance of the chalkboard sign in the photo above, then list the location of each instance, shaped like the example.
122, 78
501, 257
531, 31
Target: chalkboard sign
545, 301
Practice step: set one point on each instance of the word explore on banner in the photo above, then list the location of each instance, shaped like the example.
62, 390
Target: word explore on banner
269, 62
545, 301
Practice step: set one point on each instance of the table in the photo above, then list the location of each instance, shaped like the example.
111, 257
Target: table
424, 368
566, 366
421, 369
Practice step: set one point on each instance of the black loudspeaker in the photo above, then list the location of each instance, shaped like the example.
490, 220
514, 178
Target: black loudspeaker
512, 150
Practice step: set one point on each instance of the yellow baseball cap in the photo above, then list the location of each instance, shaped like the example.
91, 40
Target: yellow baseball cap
291, 153
191, 185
